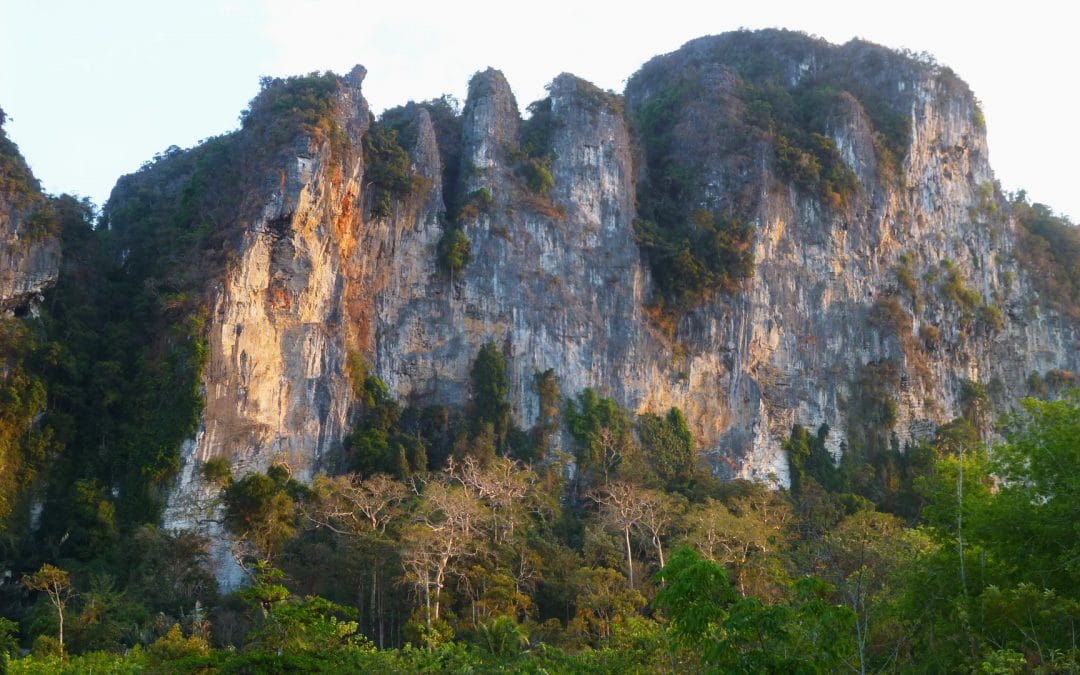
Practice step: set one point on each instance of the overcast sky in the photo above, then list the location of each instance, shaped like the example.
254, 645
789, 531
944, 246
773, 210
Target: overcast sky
96, 87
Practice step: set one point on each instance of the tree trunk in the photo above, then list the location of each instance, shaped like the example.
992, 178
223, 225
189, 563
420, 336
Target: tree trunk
372, 600
60, 615
427, 601
960, 521
629, 558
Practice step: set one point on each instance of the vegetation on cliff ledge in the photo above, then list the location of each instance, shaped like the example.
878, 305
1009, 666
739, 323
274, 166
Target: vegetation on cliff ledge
17, 183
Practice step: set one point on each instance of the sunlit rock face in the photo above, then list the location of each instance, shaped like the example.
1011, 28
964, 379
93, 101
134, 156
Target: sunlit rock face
790, 348
29, 247
557, 280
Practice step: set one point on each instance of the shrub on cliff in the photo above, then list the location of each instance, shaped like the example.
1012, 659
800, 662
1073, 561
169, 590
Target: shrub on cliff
454, 250
288, 107
386, 168
1048, 245
17, 182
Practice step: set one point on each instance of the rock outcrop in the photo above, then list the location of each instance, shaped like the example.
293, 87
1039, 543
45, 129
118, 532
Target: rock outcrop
906, 282
29, 247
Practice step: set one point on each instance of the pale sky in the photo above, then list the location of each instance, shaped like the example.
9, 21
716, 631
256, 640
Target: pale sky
96, 87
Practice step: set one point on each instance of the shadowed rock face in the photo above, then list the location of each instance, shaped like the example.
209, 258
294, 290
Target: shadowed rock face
27, 268
557, 280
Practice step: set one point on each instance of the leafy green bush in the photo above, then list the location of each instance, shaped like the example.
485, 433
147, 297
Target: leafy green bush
490, 393
378, 443
216, 470
538, 131
809, 458
871, 416
978, 118
537, 175
905, 276
476, 202
668, 446
43, 222
990, 317
602, 433
454, 250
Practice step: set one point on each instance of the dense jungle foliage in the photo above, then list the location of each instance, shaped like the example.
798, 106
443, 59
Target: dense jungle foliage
459, 541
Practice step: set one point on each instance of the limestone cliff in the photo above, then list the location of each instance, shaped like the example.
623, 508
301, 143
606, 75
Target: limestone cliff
901, 280
803, 333
29, 248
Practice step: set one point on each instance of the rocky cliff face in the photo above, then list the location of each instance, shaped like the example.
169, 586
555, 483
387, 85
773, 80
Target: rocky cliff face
555, 279
809, 327
29, 248
905, 285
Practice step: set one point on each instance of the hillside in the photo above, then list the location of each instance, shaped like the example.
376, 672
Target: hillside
510, 362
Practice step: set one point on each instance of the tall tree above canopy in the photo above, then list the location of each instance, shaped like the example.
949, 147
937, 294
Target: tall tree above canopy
490, 390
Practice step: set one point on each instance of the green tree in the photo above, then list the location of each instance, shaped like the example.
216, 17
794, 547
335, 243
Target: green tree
378, 443
668, 446
1030, 524
167, 571
547, 415
175, 653
733, 634
502, 637
261, 509
808, 457
9, 642
55, 583
601, 600
454, 250
602, 433
748, 535
862, 557
285, 624
490, 391
443, 532
386, 168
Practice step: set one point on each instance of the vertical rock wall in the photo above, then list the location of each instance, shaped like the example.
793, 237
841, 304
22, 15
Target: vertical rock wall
557, 281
